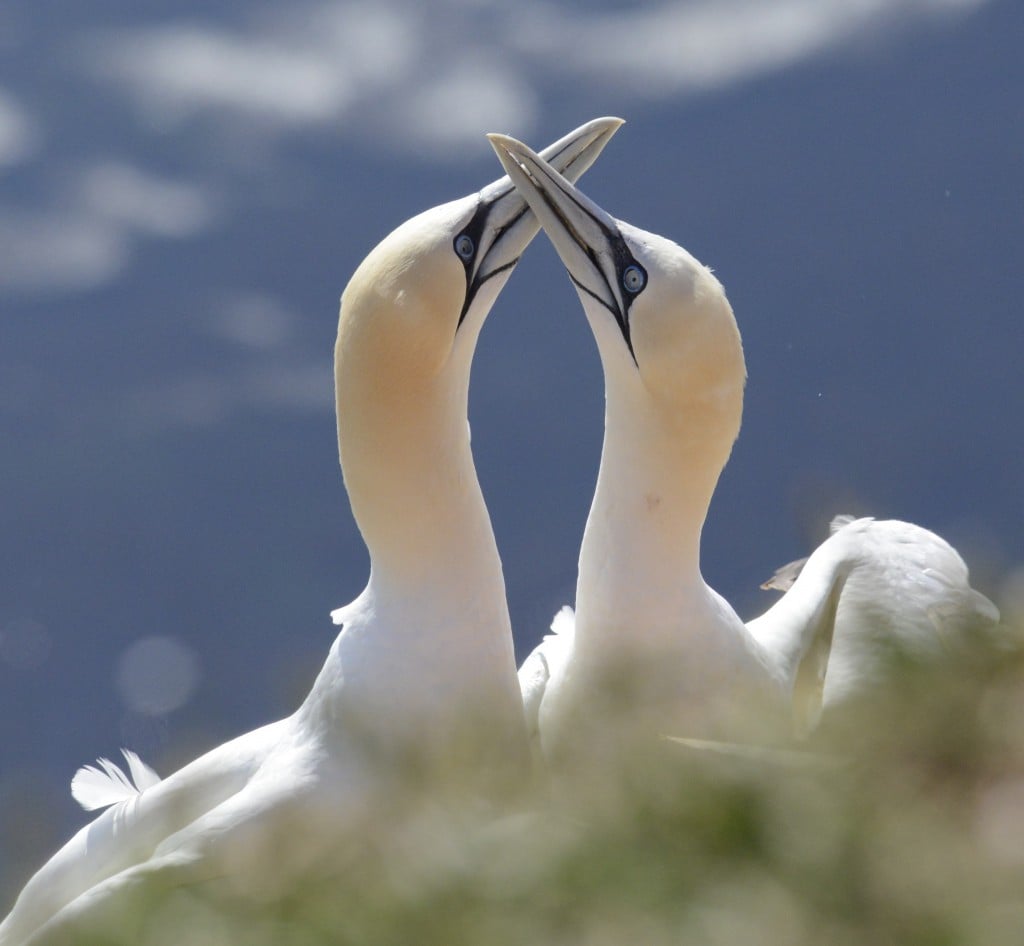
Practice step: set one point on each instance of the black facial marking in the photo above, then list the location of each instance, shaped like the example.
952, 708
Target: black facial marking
622, 258
474, 230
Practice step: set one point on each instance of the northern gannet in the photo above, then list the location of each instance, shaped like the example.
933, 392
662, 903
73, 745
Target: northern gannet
674, 379
907, 592
423, 670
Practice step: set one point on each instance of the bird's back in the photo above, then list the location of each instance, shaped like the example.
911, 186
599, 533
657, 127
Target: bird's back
908, 593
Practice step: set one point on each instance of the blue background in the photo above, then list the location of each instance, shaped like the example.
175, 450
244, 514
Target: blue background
185, 189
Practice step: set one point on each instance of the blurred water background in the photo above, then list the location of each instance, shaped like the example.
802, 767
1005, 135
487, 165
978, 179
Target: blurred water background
185, 189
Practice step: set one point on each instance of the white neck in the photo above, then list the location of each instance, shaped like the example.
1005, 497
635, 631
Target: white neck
639, 571
797, 630
430, 636
412, 485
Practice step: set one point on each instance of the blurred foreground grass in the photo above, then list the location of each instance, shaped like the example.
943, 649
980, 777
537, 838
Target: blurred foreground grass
911, 832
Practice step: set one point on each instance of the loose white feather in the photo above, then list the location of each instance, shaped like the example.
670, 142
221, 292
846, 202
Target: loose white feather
142, 775
106, 784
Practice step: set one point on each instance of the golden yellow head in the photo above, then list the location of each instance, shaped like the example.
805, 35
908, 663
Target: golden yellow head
416, 303
661, 319
401, 310
409, 321
683, 336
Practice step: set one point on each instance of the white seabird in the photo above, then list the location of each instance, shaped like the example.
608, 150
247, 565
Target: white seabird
907, 592
674, 378
423, 669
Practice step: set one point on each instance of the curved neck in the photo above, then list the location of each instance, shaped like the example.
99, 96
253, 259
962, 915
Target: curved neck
431, 633
408, 468
798, 629
639, 570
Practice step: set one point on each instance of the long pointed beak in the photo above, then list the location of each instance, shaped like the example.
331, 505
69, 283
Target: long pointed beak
587, 238
504, 226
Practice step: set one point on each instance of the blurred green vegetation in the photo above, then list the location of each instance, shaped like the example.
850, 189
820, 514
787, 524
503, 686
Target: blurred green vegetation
905, 825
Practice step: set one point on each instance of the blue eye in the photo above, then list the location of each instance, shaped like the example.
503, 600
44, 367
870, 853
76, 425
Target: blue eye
633, 279
464, 246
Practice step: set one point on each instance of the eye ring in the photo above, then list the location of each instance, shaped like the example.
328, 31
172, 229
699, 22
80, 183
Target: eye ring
633, 279
464, 246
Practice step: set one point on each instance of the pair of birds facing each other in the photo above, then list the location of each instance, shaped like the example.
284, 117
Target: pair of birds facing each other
424, 664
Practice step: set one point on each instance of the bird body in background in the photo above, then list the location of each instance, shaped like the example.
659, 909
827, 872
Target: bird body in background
645, 618
907, 592
423, 669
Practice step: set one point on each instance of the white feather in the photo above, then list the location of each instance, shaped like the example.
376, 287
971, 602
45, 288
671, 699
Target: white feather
106, 784
142, 775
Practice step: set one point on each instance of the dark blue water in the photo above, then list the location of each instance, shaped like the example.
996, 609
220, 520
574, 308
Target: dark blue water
161, 476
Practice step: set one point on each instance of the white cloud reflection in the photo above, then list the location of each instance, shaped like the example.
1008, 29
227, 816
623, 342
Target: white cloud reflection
253, 320
294, 383
449, 110
86, 239
179, 68
690, 46
58, 252
436, 76
128, 197
398, 74
18, 134
272, 369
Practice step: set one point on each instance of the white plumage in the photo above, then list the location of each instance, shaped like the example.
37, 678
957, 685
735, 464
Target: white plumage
907, 592
104, 784
423, 668
674, 379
